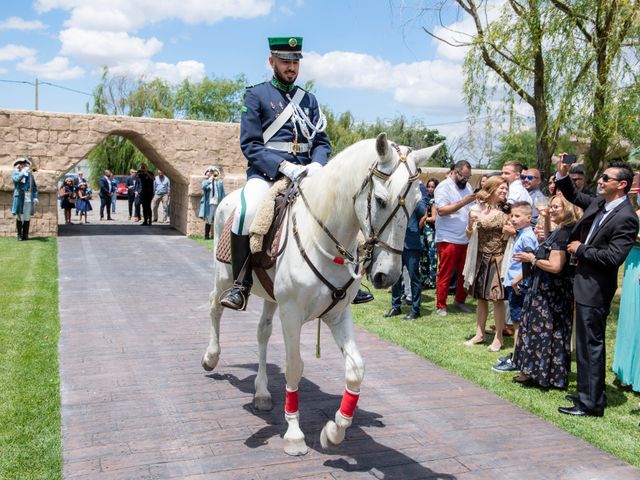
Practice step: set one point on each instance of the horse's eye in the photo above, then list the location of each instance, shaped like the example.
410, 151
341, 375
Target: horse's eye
381, 203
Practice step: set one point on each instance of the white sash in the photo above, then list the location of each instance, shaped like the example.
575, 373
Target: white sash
283, 117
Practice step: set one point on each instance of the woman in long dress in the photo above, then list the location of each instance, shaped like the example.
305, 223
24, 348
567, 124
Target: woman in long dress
543, 350
489, 220
429, 259
626, 361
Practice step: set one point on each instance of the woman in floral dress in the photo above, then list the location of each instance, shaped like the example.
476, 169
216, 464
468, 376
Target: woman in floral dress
429, 259
543, 351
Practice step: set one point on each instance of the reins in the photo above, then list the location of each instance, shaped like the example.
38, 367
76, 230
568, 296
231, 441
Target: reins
338, 293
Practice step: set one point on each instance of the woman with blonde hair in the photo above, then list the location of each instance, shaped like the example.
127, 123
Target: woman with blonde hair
487, 221
543, 350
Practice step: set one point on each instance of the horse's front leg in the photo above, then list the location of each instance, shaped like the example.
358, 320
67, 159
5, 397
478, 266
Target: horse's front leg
262, 397
212, 354
291, 326
342, 329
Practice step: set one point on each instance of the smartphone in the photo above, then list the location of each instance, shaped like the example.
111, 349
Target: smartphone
569, 159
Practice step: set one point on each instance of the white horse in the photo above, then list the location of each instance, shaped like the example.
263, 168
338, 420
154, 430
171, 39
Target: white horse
370, 187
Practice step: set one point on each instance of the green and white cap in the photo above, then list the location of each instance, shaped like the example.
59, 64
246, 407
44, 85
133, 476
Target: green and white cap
286, 48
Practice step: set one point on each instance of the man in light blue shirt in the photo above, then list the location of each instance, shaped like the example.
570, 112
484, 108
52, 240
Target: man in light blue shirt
161, 190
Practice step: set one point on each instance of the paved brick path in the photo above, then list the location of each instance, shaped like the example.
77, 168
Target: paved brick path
137, 405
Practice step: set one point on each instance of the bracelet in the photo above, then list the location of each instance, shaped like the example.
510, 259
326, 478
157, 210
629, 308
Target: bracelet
533, 261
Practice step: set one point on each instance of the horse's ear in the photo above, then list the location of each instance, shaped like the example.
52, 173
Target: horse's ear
422, 156
382, 147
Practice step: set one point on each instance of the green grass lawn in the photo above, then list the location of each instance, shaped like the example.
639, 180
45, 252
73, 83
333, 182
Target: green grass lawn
440, 340
30, 441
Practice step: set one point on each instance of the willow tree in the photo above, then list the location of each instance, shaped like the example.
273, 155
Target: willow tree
566, 60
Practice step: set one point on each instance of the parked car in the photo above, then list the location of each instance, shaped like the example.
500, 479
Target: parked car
121, 190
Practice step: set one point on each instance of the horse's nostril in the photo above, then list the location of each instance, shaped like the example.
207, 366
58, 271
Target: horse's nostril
379, 279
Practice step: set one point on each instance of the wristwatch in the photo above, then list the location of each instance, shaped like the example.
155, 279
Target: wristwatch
533, 261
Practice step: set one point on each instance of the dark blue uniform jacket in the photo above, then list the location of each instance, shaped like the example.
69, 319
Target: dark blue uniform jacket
262, 103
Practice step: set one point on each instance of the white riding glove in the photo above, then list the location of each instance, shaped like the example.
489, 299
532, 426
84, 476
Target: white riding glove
291, 170
312, 168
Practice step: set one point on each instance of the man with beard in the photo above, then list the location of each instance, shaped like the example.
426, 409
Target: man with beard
452, 198
281, 134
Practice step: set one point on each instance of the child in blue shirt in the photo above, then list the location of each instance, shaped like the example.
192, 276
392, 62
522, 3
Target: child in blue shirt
524, 241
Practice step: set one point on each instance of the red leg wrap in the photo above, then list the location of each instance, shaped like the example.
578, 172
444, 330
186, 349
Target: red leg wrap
348, 404
291, 401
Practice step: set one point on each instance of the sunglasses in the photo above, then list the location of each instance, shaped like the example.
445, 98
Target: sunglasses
527, 177
606, 178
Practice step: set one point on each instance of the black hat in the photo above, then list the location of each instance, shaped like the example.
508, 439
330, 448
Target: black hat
21, 160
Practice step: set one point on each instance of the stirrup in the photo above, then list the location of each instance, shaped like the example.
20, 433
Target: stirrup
237, 290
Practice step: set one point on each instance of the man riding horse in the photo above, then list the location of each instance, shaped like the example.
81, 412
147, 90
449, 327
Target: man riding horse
281, 134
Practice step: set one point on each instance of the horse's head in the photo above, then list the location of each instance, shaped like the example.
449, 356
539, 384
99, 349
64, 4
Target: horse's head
384, 203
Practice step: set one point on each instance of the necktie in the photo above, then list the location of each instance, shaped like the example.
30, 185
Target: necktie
596, 223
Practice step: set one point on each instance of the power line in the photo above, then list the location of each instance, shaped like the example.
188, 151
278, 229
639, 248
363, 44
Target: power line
48, 83
66, 88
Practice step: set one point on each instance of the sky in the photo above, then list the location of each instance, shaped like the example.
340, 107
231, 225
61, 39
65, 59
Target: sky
371, 58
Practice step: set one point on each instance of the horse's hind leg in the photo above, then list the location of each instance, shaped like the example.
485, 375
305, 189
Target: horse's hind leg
342, 329
212, 354
262, 397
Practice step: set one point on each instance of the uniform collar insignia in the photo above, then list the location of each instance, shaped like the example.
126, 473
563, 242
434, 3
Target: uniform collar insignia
281, 86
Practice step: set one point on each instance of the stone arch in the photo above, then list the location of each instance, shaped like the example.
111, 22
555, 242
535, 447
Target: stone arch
59, 141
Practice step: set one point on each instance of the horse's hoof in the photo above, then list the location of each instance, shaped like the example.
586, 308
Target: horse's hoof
263, 404
206, 365
325, 443
296, 448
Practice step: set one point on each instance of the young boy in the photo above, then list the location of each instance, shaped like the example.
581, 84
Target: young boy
524, 241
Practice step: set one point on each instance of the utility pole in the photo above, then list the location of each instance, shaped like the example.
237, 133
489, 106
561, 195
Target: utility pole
36, 93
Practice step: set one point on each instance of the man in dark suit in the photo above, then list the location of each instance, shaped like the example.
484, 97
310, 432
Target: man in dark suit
600, 242
106, 191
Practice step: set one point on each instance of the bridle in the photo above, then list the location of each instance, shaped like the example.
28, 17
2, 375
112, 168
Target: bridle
372, 239
346, 258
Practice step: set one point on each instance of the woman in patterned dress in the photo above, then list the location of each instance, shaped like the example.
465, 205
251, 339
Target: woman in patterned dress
487, 287
429, 259
543, 351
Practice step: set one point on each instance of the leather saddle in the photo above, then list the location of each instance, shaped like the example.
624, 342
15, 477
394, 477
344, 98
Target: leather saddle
270, 250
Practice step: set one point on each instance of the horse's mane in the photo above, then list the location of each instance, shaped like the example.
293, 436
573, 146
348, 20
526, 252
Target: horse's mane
333, 187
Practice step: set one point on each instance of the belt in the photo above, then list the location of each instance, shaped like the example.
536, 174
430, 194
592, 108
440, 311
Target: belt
289, 147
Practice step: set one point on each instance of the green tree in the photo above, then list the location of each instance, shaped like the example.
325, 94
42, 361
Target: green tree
521, 146
344, 131
217, 99
566, 60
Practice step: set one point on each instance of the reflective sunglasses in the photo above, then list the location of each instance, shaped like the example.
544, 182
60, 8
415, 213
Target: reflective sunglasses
527, 177
606, 178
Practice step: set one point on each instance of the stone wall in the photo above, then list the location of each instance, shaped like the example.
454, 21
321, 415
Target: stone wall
58, 141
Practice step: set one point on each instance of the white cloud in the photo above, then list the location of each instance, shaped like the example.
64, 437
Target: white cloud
3, 71
186, 70
129, 15
56, 69
12, 52
17, 23
126, 55
430, 85
105, 48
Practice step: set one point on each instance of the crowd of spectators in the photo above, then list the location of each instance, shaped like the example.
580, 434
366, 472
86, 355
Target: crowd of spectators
540, 260
147, 196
